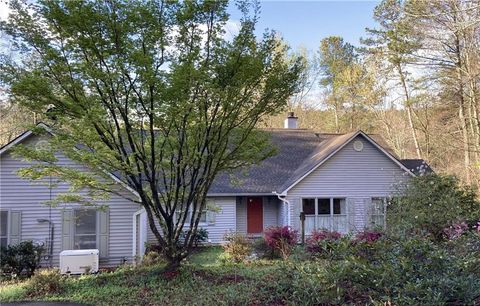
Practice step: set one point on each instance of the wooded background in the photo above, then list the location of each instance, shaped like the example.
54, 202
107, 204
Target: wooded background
415, 79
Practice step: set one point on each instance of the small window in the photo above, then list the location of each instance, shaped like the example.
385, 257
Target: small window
3, 228
203, 216
339, 206
308, 206
323, 206
85, 229
377, 212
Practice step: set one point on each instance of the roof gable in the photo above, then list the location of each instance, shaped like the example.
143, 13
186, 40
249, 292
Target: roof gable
22, 137
27, 134
327, 150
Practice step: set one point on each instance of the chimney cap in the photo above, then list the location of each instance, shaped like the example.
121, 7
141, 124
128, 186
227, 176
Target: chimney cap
291, 115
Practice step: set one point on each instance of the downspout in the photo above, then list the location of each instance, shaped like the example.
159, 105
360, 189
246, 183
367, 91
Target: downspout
282, 197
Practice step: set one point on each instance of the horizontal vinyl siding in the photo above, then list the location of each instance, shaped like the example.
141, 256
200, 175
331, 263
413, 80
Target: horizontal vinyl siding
17, 194
270, 212
241, 212
349, 174
224, 221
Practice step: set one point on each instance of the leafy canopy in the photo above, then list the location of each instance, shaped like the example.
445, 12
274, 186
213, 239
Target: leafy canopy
152, 91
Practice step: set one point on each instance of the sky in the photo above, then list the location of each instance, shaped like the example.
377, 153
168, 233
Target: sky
305, 23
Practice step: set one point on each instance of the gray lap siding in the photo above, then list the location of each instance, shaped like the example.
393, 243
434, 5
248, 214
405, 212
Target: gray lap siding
17, 194
349, 174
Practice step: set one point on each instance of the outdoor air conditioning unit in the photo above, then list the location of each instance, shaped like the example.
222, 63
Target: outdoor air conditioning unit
79, 261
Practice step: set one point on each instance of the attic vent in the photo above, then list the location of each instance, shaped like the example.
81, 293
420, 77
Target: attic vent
358, 145
41, 145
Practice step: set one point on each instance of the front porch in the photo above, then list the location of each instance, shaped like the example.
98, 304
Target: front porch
254, 214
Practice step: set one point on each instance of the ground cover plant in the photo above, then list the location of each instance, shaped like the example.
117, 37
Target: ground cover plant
367, 268
401, 272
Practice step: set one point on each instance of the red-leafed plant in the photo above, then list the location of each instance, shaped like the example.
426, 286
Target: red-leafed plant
281, 240
368, 236
325, 243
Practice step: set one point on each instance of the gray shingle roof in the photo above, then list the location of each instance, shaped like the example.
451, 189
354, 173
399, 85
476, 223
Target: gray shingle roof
293, 148
417, 166
298, 152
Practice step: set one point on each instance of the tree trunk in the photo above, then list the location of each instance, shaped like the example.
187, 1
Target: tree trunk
409, 111
461, 109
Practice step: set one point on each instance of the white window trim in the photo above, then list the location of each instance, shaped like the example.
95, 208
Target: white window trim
8, 224
97, 226
385, 202
331, 215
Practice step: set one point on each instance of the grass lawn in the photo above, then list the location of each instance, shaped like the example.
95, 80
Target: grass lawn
202, 280
414, 273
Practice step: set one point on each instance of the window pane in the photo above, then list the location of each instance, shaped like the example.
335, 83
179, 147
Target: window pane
3, 242
85, 221
377, 221
378, 206
323, 206
3, 223
85, 242
339, 207
309, 206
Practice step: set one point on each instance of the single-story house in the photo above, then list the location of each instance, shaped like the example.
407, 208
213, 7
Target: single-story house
339, 182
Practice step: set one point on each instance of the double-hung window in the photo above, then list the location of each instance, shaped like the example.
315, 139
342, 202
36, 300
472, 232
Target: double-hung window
203, 216
3, 228
325, 213
85, 229
377, 212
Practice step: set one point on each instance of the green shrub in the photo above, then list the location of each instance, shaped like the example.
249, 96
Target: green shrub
44, 282
236, 249
415, 271
201, 236
429, 204
262, 250
20, 260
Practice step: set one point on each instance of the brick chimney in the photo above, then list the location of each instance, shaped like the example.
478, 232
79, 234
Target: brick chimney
291, 121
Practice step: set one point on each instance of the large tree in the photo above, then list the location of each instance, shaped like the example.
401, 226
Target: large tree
153, 91
335, 57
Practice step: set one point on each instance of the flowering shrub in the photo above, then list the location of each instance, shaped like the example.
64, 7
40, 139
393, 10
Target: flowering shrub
281, 240
368, 236
455, 230
429, 204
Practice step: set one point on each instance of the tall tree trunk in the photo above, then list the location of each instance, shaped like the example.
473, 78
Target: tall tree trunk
409, 111
461, 109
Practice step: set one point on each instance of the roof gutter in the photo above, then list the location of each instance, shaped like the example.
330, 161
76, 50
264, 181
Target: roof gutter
282, 197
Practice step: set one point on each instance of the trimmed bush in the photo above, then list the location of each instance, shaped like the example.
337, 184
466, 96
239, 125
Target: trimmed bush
21, 259
281, 240
236, 249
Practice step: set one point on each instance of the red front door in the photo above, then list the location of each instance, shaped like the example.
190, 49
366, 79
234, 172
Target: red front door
254, 215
